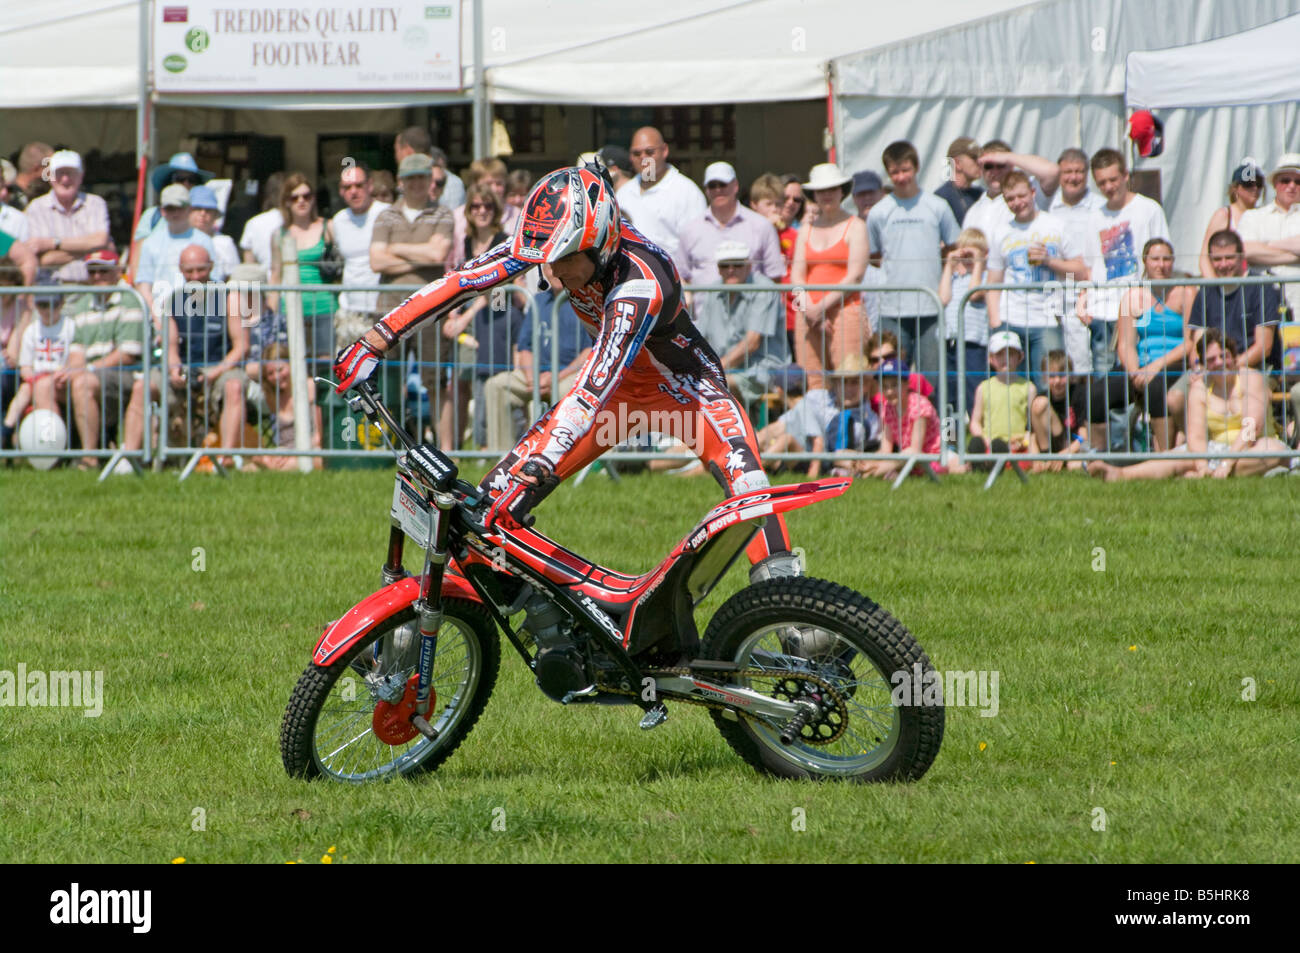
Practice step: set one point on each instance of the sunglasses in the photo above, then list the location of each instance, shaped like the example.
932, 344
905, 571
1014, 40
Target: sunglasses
301, 196
716, 185
877, 358
439, 182
480, 207
732, 265
185, 180
1286, 180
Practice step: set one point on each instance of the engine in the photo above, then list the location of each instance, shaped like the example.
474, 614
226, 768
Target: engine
559, 666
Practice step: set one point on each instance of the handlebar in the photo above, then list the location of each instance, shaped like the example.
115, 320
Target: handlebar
433, 466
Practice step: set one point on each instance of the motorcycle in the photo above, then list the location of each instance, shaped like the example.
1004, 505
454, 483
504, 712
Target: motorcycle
797, 673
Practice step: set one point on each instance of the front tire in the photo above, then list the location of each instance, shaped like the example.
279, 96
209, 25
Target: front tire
800, 625
328, 727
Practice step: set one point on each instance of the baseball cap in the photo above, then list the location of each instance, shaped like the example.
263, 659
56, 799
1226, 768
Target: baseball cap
731, 251
1248, 173
719, 172
1001, 340
417, 163
203, 197
248, 273
1147, 132
893, 368
616, 156
174, 196
866, 182
963, 146
65, 159
104, 258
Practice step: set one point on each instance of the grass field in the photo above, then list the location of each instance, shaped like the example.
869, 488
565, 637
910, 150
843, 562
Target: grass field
1122, 622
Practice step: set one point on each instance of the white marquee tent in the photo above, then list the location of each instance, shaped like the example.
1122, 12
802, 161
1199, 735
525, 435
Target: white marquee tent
1052, 74
85, 52
1220, 101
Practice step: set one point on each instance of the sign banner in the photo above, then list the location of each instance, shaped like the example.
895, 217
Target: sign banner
216, 46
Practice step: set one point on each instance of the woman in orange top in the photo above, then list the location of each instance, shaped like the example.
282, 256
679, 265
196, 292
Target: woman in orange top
832, 249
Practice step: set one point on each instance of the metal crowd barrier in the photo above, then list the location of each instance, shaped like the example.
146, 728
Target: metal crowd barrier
1288, 379
446, 367
105, 428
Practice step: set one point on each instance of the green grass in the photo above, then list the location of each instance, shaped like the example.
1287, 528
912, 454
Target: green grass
1119, 689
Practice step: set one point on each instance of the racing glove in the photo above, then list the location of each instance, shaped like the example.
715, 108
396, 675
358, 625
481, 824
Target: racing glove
354, 364
526, 488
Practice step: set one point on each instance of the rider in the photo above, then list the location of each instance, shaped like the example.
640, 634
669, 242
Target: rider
647, 354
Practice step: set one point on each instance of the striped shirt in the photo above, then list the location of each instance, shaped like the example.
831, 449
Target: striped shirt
46, 217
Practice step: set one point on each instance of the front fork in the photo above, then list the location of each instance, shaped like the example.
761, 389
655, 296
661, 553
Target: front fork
428, 605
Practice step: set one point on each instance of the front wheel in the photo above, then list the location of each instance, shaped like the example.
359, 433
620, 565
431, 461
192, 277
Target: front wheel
335, 724
783, 630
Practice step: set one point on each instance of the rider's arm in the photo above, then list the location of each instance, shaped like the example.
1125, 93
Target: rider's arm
439, 297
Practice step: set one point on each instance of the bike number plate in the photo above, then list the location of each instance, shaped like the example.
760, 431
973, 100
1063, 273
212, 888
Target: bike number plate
410, 511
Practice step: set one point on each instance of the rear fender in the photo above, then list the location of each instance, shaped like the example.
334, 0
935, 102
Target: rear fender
339, 636
755, 504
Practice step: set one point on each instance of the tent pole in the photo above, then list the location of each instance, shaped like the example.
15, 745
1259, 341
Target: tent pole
481, 130
830, 114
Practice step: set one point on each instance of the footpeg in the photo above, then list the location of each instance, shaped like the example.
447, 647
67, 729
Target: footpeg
424, 728
654, 717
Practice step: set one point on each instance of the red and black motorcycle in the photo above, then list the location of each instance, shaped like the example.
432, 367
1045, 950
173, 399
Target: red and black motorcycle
797, 673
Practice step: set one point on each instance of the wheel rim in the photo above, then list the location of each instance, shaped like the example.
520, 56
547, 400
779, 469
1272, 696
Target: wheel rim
344, 745
874, 723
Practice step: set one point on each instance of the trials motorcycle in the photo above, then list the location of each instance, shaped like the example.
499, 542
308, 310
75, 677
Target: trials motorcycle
797, 672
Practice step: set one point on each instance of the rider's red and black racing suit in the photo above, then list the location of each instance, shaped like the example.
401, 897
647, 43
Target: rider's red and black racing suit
649, 369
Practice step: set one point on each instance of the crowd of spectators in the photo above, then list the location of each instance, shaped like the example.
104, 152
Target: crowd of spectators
1101, 346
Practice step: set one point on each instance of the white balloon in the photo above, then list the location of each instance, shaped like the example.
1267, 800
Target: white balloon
42, 430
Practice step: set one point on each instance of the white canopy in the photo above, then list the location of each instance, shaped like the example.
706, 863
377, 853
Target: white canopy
671, 52
1250, 68
1051, 75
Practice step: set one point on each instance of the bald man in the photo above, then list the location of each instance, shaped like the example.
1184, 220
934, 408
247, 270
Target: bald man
660, 201
207, 344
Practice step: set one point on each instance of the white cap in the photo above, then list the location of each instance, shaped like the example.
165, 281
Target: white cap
174, 196
719, 172
731, 251
65, 159
1001, 340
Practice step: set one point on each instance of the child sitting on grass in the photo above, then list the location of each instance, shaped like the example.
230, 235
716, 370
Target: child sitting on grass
999, 418
855, 426
797, 430
909, 423
277, 387
42, 364
1060, 415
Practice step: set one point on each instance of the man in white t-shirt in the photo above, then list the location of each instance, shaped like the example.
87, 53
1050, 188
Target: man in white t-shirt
1127, 222
1033, 247
1078, 206
259, 230
354, 227
660, 200
1272, 233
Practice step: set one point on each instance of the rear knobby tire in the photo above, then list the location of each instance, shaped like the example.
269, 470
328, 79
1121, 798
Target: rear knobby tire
327, 728
790, 625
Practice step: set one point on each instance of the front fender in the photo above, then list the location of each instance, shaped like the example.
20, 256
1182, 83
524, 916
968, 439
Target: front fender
342, 634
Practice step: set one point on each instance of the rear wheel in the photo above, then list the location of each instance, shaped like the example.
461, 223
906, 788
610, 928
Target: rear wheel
336, 715
792, 628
